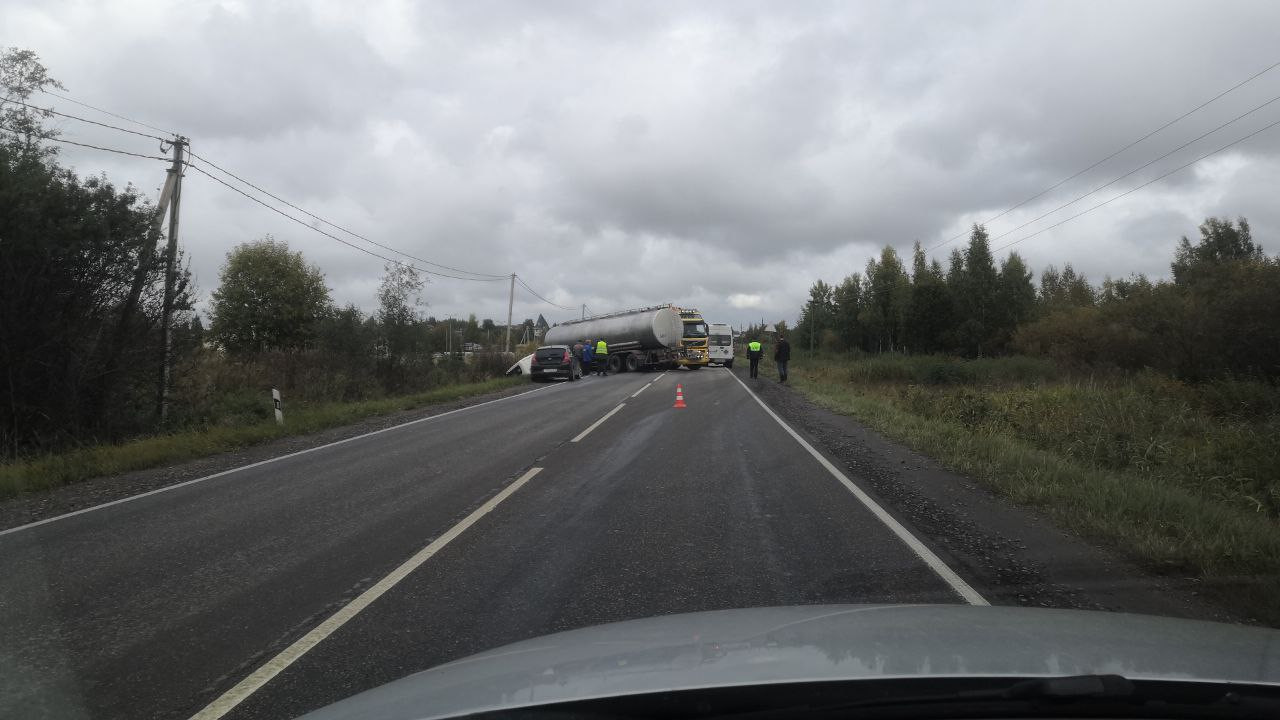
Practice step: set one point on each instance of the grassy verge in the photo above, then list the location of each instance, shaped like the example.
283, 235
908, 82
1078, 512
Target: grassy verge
1185, 479
81, 464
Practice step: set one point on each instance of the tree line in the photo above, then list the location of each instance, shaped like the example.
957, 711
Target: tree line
271, 303
82, 264
1215, 316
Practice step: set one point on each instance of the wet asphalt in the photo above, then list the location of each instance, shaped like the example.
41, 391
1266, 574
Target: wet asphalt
156, 607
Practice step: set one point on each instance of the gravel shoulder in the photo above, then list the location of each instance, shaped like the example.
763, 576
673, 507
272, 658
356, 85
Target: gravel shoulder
1011, 554
33, 507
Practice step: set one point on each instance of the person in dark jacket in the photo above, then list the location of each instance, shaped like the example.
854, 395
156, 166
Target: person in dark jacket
781, 355
588, 357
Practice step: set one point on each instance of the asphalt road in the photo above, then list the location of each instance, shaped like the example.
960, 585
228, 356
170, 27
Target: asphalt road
575, 504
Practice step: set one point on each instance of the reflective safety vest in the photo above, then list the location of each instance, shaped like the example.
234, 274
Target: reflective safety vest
754, 346
602, 348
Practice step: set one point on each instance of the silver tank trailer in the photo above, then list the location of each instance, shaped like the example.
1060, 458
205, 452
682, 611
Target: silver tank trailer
657, 328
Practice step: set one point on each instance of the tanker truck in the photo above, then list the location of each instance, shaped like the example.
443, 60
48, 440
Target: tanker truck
644, 339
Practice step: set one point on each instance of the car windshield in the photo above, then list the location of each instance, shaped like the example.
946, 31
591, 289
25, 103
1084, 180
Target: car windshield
343, 341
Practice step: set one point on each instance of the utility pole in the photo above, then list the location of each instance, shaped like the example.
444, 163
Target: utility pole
511, 301
170, 279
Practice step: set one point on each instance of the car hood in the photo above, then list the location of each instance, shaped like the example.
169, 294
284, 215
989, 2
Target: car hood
822, 642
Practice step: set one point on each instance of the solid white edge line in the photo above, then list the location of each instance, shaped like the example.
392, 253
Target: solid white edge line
273, 667
597, 423
949, 576
183, 484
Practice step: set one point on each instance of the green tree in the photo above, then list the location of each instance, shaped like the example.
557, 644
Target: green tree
929, 310
816, 315
1059, 290
848, 303
1220, 242
268, 298
398, 303
79, 305
885, 300
1015, 301
345, 333
975, 290
21, 75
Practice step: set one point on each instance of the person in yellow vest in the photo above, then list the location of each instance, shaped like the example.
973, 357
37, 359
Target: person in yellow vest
754, 351
602, 357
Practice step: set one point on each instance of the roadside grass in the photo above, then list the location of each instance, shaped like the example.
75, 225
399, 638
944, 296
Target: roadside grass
1182, 478
300, 418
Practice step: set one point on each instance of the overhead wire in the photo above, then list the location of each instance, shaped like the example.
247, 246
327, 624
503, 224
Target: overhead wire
1137, 169
51, 111
481, 276
1077, 174
535, 294
330, 235
1139, 187
95, 147
106, 112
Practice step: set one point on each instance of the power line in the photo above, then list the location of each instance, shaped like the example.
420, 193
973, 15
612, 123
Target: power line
51, 111
482, 276
1054, 186
329, 235
1139, 187
87, 145
525, 285
107, 112
1137, 169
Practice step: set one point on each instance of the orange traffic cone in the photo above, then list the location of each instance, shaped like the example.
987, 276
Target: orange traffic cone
679, 397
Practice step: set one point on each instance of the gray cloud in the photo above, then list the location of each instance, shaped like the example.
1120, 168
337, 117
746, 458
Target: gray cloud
723, 154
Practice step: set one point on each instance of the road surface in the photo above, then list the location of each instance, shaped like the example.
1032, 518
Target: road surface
281, 587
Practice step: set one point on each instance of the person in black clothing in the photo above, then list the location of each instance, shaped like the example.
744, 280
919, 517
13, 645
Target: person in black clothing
781, 354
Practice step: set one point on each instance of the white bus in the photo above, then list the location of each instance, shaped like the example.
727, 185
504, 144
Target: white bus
720, 344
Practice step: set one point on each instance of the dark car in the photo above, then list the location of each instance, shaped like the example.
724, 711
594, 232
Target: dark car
553, 361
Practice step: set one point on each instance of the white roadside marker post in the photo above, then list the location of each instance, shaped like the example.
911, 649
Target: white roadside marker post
275, 396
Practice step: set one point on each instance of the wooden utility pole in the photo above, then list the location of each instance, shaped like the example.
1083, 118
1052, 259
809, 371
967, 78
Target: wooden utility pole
170, 278
511, 301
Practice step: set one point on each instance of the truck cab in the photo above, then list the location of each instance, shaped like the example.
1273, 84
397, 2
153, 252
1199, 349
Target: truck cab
720, 344
694, 339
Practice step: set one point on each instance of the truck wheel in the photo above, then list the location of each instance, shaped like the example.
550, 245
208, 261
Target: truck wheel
728, 364
615, 364
633, 363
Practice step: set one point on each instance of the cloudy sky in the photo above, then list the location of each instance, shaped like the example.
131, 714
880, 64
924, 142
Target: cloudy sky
716, 155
